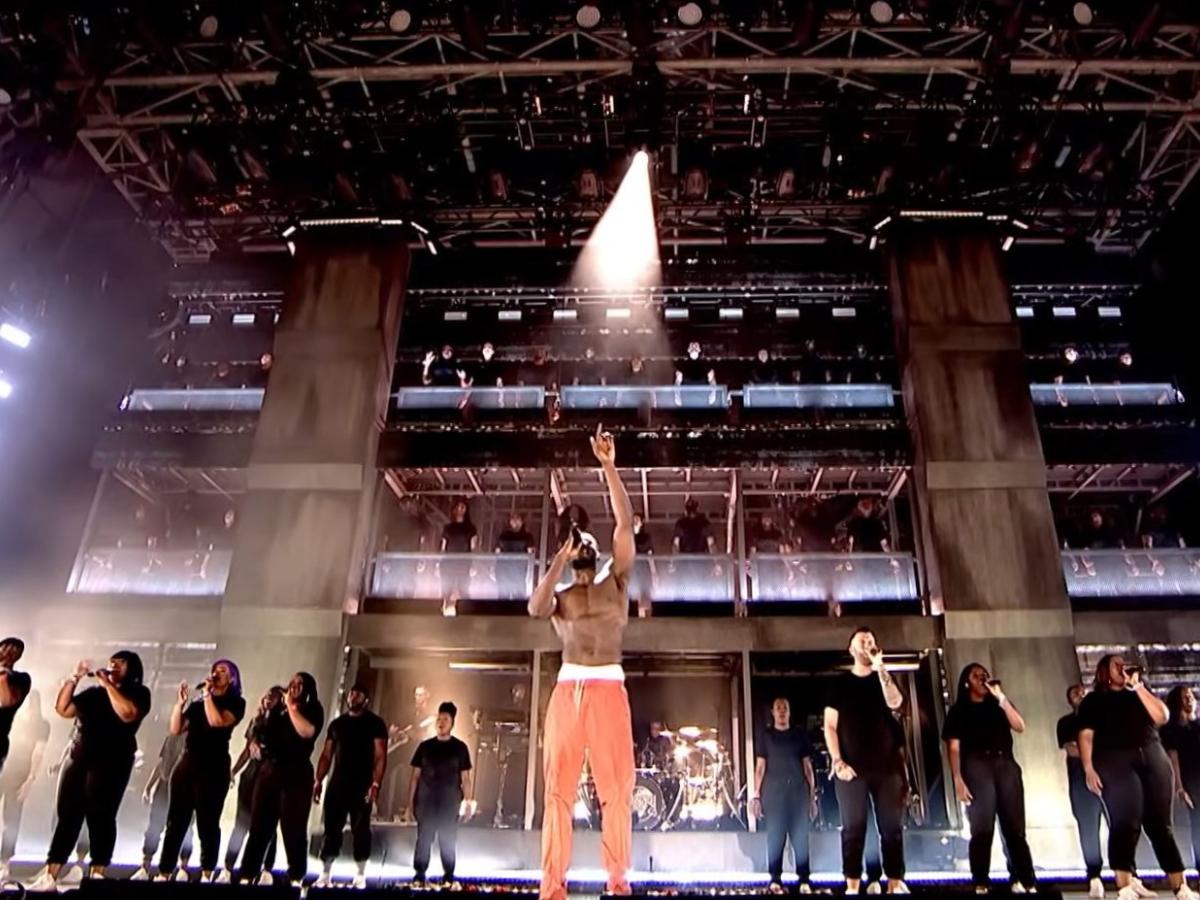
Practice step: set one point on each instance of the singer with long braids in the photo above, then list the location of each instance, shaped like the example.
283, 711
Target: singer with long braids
1125, 764
94, 778
284, 785
200, 780
978, 735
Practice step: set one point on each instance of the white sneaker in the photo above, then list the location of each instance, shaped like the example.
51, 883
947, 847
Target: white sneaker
360, 881
1095, 889
874, 888
805, 887
74, 875
266, 879
43, 882
224, 878
142, 874
1140, 889
1017, 888
1128, 893
898, 887
160, 877
324, 881
181, 874
1186, 893
4, 873
980, 889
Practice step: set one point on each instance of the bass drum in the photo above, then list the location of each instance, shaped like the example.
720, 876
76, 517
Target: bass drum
649, 805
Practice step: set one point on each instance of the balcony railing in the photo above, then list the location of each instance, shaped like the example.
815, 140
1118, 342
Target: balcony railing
194, 400
431, 398
818, 396
840, 577
1149, 394
1098, 574
183, 573
664, 397
469, 576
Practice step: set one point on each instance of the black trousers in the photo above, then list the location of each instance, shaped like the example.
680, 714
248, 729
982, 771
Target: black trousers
160, 805
89, 790
1087, 809
11, 779
885, 792
346, 801
282, 797
1138, 793
437, 819
241, 822
999, 791
198, 789
1192, 786
785, 806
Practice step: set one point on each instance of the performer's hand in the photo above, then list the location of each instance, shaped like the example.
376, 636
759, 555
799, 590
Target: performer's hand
81, 668
430, 357
1094, 784
814, 808
962, 792
756, 808
104, 678
843, 771
1185, 797
604, 447
256, 751
185, 691
876, 659
316, 792
467, 810
1133, 679
996, 691
372, 795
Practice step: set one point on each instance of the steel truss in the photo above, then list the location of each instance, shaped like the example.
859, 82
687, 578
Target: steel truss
907, 85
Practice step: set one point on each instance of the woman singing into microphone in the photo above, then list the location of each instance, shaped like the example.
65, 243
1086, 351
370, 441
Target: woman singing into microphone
283, 787
1125, 764
978, 734
94, 778
201, 777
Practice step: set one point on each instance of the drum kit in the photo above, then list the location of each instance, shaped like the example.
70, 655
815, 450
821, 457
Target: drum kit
685, 779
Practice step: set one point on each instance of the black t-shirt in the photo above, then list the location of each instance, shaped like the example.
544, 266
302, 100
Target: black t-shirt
354, 740
784, 752
1119, 720
19, 682
280, 740
642, 544
694, 371
457, 536
867, 735
868, 534
693, 533
202, 738
1184, 739
486, 374
99, 731
768, 540
979, 728
1068, 731
444, 373
511, 541
763, 373
442, 764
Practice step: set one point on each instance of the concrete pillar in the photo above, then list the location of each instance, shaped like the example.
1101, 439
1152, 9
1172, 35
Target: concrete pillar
304, 523
990, 553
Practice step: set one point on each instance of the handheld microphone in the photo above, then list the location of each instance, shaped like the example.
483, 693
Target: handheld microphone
96, 673
1135, 670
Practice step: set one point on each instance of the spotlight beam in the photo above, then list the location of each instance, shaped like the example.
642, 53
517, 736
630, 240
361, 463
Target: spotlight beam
622, 252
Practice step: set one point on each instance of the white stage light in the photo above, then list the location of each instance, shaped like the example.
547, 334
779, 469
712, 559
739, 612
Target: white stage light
588, 15
690, 14
6, 389
18, 337
622, 252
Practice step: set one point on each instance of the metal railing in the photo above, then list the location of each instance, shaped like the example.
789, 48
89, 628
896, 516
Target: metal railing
183, 573
833, 577
1166, 572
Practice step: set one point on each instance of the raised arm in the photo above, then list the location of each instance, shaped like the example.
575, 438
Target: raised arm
304, 728
541, 601
1157, 710
623, 544
1015, 720
64, 703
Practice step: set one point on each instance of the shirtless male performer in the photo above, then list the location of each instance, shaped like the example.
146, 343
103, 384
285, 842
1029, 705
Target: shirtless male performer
589, 709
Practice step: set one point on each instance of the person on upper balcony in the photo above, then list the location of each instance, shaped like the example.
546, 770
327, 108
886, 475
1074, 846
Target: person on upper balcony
443, 370
693, 532
590, 371
693, 370
1098, 533
636, 373
1158, 532
539, 371
487, 372
763, 370
865, 530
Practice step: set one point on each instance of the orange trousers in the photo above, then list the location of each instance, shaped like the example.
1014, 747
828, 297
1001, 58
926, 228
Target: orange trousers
590, 716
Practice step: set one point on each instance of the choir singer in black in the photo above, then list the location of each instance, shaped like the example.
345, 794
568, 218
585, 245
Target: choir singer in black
785, 793
978, 735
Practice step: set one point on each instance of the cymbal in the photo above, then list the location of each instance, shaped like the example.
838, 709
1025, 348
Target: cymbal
695, 732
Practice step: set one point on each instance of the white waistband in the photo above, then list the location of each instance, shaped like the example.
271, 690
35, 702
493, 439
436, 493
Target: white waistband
577, 672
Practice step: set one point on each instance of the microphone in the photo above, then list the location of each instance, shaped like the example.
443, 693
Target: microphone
96, 673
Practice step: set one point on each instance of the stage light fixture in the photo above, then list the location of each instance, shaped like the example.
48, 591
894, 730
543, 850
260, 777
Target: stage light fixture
690, 14
18, 337
401, 18
498, 186
1082, 13
6, 388
587, 16
877, 12
589, 185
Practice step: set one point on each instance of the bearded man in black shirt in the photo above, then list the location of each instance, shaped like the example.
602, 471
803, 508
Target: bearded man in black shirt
867, 761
